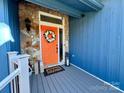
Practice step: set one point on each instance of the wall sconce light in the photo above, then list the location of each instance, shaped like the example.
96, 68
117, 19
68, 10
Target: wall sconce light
28, 24
5, 34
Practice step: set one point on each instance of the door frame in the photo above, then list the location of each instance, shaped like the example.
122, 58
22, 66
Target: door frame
55, 25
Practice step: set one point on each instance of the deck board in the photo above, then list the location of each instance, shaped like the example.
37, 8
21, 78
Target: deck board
72, 80
45, 84
40, 84
56, 82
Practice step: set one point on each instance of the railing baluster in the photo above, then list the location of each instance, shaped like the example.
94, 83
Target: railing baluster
8, 79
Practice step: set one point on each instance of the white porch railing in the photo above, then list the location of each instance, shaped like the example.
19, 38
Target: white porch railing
19, 74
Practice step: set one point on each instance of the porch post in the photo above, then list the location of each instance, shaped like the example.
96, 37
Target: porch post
11, 68
10, 56
24, 84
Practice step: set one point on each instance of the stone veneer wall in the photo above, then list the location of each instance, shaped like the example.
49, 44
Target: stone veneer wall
31, 11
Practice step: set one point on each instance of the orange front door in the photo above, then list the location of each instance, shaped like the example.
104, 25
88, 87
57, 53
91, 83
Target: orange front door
49, 44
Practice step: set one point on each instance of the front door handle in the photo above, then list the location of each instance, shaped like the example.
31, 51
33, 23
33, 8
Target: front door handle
56, 49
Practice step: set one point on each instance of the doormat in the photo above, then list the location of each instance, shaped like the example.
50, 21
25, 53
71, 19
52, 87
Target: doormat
53, 70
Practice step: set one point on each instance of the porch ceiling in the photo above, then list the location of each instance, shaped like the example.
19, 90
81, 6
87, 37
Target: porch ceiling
83, 5
73, 8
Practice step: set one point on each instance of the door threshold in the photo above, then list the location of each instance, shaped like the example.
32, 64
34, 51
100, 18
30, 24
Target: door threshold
53, 65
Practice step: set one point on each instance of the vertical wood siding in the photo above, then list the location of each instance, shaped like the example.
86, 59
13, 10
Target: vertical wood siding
5, 47
97, 42
14, 24
9, 15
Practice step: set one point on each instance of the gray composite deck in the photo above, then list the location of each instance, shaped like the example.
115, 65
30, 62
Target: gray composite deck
72, 80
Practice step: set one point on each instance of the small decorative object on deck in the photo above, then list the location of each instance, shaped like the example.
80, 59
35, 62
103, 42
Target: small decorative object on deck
5, 34
37, 67
67, 59
50, 36
41, 67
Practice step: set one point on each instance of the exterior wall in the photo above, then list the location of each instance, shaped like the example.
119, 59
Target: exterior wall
14, 24
8, 14
31, 11
97, 42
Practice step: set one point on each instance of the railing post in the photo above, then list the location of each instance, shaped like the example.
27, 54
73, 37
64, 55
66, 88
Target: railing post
24, 84
11, 68
10, 56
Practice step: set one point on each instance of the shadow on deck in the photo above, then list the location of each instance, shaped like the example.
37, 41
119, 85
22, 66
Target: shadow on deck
72, 80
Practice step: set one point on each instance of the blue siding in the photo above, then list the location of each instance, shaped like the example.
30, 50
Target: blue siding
8, 14
97, 42
5, 47
14, 24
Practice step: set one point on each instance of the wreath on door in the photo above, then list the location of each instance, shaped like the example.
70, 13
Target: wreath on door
50, 36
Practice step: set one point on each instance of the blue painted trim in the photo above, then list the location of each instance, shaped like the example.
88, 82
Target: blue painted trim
56, 5
59, 6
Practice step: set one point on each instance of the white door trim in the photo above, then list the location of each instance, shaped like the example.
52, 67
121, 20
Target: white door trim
55, 25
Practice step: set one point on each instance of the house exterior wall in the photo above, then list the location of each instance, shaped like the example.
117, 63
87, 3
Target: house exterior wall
31, 11
97, 42
8, 15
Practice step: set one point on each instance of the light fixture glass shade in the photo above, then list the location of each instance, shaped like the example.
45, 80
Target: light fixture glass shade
5, 34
